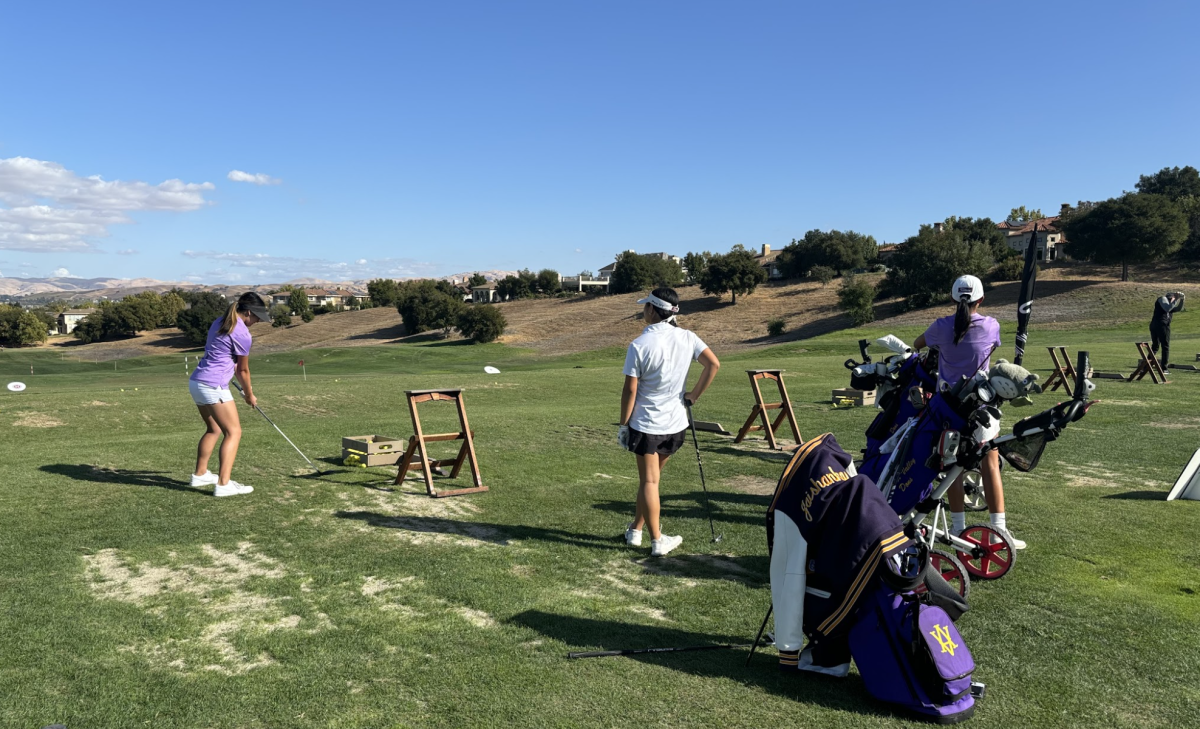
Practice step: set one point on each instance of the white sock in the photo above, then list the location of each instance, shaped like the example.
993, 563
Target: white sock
998, 521
958, 521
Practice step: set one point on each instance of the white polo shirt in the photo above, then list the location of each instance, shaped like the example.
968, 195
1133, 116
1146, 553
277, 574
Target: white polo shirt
660, 359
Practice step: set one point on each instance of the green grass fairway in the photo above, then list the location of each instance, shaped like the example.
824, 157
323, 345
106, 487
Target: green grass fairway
129, 599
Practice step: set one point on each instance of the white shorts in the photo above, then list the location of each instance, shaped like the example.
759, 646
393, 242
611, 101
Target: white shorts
207, 395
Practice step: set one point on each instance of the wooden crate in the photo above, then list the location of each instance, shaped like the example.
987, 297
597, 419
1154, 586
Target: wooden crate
858, 397
374, 450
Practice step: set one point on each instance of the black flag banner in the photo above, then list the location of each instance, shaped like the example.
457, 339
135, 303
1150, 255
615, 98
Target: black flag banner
1025, 302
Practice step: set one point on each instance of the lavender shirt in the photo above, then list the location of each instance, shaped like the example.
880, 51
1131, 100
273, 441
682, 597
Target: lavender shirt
220, 353
972, 354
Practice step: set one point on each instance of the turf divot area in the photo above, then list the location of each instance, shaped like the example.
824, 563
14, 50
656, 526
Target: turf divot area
129, 598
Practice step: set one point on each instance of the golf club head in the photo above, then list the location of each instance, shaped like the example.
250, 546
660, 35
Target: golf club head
718, 538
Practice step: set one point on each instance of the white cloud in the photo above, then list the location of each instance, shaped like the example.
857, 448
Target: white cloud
60, 273
127, 252
276, 269
258, 178
50, 208
579, 250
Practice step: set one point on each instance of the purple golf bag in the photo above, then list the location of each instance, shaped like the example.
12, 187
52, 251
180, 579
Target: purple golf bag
912, 478
897, 405
910, 654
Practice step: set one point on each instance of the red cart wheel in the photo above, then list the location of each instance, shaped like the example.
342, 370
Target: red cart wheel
992, 556
951, 570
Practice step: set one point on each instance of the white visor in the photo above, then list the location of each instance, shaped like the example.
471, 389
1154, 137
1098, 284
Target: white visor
655, 301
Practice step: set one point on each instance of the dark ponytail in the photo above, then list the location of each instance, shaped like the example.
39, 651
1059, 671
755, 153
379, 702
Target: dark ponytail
668, 295
962, 319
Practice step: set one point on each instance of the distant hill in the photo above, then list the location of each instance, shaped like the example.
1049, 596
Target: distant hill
36, 290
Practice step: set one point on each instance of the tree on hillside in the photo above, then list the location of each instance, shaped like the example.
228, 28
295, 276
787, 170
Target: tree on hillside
695, 264
736, 272
477, 279
383, 292
481, 324
511, 288
981, 230
298, 303
548, 281
1173, 183
1024, 215
20, 328
839, 250
205, 307
926, 264
637, 272
170, 305
426, 305
1133, 228
138, 313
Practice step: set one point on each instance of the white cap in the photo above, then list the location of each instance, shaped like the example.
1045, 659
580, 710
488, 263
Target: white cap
967, 286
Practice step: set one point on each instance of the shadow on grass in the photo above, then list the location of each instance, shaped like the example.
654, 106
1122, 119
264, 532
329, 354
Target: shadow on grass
691, 506
780, 457
94, 474
586, 633
499, 534
1140, 496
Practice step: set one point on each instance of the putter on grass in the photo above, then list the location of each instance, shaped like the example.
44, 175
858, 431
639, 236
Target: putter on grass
276, 427
707, 506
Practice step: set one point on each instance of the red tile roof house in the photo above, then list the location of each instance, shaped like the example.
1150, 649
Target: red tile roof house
1050, 238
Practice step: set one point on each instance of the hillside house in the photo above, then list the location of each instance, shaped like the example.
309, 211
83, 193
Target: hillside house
585, 283
484, 294
1050, 238
768, 261
886, 251
69, 319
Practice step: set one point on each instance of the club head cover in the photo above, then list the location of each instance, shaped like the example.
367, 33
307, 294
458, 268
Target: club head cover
985, 423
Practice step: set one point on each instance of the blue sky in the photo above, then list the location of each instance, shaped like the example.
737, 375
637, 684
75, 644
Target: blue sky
404, 139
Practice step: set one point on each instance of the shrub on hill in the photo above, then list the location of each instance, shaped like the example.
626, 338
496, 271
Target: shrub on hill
1009, 268
281, 316
482, 323
839, 250
824, 274
735, 272
856, 297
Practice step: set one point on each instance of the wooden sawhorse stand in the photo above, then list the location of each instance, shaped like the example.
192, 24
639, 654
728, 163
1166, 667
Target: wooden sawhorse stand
1148, 366
760, 409
1062, 370
416, 457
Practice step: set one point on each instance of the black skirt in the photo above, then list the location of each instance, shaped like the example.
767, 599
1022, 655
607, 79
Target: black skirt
643, 444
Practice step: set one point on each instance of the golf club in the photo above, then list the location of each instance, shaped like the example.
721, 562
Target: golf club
636, 651
760, 632
276, 427
707, 506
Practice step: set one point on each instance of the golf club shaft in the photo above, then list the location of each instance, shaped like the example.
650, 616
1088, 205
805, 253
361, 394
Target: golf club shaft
637, 651
700, 463
761, 628
276, 427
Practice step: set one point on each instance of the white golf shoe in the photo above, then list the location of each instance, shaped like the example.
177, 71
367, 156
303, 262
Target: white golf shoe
633, 537
208, 479
1016, 543
661, 546
233, 488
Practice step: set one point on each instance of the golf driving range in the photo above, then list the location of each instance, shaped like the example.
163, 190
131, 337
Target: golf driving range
343, 599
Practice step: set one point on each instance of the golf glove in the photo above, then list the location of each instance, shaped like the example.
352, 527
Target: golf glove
623, 437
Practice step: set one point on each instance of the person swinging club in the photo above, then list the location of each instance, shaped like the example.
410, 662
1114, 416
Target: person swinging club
654, 417
1160, 325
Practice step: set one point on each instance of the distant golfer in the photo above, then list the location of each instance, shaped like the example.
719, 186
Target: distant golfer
965, 342
654, 417
226, 355
1160, 325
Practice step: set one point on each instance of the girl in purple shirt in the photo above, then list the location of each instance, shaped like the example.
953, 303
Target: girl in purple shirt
226, 355
965, 342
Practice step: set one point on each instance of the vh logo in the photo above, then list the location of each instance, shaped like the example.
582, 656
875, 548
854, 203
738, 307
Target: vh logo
941, 634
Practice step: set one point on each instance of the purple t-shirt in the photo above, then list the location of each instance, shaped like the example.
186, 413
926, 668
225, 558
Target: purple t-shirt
220, 353
972, 354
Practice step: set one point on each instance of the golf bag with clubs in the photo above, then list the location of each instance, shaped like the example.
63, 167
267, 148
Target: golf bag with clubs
837, 549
